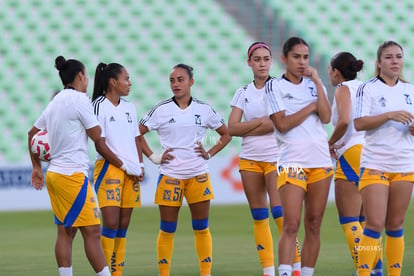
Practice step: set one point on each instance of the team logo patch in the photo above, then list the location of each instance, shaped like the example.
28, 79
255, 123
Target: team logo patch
96, 212
135, 187
313, 91
110, 195
167, 195
128, 117
197, 118
408, 99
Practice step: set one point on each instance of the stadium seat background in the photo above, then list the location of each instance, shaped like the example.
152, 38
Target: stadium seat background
150, 36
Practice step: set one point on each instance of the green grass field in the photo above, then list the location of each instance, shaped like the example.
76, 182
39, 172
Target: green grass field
27, 244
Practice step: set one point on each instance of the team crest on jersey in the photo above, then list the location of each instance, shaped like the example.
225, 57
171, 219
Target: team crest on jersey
313, 91
408, 99
128, 117
197, 118
382, 102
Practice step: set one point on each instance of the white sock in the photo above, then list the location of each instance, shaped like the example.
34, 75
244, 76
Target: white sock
269, 271
307, 271
296, 266
65, 271
104, 272
285, 270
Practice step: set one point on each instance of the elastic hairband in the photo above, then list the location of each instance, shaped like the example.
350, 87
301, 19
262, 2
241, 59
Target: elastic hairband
258, 45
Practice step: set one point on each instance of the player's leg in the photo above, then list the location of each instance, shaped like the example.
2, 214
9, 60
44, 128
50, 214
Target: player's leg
120, 242
315, 204
130, 198
291, 196
108, 184
348, 203
399, 200
254, 186
110, 221
374, 198
198, 193
63, 249
203, 242
169, 196
277, 214
165, 240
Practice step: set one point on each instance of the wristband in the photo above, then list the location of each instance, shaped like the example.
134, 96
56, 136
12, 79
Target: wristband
155, 158
209, 156
141, 165
123, 167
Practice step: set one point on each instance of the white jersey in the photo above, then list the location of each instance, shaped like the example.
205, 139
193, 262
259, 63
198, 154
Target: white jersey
305, 145
253, 103
180, 130
351, 136
66, 119
389, 147
119, 128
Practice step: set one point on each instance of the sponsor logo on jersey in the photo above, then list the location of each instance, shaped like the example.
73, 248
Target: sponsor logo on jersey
112, 119
382, 101
171, 121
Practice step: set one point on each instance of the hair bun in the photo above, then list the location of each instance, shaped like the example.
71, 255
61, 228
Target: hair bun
60, 62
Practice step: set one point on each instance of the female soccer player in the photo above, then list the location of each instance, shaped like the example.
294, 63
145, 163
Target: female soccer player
181, 123
345, 145
117, 189
299, 109
384, 109
259, 154
69, 120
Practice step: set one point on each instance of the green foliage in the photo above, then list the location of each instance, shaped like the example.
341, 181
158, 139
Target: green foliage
27, 244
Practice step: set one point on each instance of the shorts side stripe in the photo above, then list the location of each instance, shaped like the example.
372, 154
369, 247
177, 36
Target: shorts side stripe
77, 205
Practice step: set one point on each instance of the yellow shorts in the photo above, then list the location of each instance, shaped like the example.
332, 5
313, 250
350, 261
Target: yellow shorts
72, 199
347, 166
302, 177
114, 187
257, 166
370, 176
170, 191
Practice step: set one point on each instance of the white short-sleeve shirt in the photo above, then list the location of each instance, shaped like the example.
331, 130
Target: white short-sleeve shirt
351, 136
253, 103
389, 147
66, 119
305, 145
180, 130
119, 127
